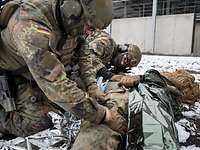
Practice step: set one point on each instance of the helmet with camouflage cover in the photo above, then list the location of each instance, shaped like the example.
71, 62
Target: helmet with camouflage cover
68, 14
127, 55
98, 13
134, 55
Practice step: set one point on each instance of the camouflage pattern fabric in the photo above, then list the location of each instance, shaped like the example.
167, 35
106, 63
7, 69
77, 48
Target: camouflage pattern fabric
104, 49
102, 46
91, 136
100, 137
98, 12
117, 98
186, 84
151, 117
32, 38
30, 116
33, 111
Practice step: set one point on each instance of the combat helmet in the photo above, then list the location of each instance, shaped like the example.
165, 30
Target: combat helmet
97, 12
134, 55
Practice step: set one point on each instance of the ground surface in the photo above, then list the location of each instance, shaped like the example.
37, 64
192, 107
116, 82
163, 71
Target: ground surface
168, 63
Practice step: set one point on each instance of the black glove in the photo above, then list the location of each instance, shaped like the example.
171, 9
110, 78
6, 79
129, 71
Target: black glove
105, 73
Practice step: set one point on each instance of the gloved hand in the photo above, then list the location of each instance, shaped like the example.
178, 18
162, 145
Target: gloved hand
96, 93
116, 78
115, 121
80, 84
129, 81
126, 80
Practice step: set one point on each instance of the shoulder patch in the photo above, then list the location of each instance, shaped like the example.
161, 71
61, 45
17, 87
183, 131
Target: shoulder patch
43, 31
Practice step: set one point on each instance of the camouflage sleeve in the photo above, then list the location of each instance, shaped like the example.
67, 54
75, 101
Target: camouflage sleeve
32, 43
97, 60
102, 47
87, 69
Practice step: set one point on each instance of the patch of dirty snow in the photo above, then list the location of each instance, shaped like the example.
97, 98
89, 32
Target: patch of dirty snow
168, 63
183, 134
193, 147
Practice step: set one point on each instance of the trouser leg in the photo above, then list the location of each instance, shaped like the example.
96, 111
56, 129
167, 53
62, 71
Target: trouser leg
31, 114
101, 137
97, 137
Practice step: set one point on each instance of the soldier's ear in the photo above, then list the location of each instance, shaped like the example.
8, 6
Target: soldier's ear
133, 62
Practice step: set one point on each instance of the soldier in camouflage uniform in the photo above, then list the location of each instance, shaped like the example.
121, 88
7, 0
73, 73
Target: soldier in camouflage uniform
106, 52
43, 35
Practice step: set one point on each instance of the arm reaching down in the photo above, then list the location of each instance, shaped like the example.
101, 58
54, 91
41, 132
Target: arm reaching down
32, 42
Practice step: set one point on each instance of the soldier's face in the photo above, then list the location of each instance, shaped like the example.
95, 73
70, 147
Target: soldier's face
121, 60
124, 60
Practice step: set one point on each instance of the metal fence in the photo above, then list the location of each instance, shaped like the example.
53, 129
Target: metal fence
142, 8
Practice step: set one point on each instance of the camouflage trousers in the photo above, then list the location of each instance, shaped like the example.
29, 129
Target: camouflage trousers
97, 137
31, 111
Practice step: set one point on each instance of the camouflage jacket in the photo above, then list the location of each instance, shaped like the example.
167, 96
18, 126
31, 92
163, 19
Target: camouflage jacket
31, 39
103, 48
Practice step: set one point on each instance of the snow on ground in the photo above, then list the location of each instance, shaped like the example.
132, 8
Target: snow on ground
193, 147
168, 63
181, 131
171, 63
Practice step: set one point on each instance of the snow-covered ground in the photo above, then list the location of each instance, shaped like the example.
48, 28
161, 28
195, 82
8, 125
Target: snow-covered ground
168, 63
192, 147
171, 63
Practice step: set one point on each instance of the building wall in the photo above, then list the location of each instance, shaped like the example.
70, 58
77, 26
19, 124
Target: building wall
174, 33
197, 39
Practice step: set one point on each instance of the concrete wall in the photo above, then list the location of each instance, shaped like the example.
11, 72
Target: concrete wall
173, 33
197, 39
